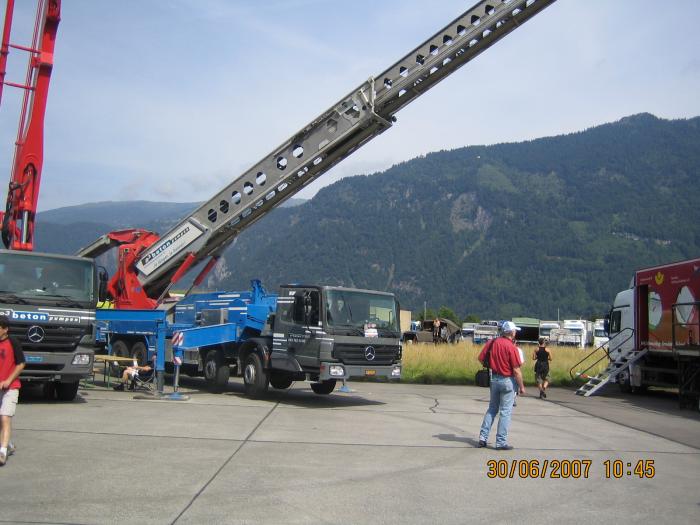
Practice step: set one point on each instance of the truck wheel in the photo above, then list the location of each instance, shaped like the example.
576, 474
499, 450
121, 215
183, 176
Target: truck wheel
67, 391
48, 390
140, 353
120, 349
216, 371
255, 378
639, 389
324, 387
280, 381
623, 380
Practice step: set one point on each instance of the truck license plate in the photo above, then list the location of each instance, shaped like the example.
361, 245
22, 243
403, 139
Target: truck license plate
370, 372
33, 359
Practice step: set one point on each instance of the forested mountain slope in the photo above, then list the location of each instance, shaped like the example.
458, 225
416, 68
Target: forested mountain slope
553, 225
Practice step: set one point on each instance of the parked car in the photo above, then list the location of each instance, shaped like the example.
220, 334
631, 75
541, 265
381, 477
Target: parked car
449, 333
468, 329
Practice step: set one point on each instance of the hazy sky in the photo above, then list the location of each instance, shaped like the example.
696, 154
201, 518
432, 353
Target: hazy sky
172, 99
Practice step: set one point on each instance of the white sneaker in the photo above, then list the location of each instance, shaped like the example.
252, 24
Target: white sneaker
11, 449
3, 458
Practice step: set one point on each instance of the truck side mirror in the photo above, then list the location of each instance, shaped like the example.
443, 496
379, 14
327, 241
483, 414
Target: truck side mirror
606, 324
307, 308
102, 280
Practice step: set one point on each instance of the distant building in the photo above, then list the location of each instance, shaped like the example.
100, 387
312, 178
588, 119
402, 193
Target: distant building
529, 329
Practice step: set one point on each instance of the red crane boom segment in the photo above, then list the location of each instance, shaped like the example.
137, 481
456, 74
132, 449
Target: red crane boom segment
23, 192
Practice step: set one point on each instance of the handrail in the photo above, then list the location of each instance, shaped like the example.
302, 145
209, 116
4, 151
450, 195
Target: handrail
601, 347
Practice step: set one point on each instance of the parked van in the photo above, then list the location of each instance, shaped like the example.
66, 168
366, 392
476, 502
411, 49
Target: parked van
577, 333
485, 331
546, 328
468, 329
600, 336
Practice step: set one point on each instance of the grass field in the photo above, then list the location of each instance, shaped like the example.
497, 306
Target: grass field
457, 363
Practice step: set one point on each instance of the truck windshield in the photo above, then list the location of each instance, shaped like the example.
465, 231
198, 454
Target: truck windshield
33, 279
346, 308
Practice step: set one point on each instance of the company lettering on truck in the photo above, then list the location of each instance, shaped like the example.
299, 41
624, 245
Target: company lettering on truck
64, 319
168, 248
165, 245
26, 316
39, 317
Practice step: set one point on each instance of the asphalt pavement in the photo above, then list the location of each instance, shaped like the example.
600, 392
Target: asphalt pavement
383, 453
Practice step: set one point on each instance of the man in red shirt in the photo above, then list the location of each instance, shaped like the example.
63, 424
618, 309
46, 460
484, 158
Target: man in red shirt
11, 364
504, 362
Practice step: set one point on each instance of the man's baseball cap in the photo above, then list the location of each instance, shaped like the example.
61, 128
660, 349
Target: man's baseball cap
509, 326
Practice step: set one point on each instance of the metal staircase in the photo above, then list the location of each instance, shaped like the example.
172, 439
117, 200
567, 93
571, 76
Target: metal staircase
617, 365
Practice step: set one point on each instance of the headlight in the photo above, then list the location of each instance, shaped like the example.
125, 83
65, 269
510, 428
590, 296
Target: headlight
336, 371
81, 359
396, 371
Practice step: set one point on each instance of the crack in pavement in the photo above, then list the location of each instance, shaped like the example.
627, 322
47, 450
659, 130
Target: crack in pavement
201, 490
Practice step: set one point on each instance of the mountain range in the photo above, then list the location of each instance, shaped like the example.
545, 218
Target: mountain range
546, 228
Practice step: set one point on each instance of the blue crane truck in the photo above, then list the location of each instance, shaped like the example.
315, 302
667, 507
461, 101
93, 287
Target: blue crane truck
317, 333
320, 334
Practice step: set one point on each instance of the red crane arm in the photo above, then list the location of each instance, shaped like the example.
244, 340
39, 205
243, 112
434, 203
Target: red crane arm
124, 286
23, 192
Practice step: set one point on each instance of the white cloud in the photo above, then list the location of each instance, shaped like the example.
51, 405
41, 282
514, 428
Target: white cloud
172, 101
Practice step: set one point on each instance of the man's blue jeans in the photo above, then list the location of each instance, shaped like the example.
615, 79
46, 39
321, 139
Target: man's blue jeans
501, 403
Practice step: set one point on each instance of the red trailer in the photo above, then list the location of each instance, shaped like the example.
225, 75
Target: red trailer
666, 307
655, 330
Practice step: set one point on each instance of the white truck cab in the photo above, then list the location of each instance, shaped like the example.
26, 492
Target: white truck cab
600, 335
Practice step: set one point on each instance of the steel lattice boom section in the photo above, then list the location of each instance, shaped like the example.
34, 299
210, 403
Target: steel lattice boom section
358, 117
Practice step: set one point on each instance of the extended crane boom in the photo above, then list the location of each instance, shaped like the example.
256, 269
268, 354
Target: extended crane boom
23, 193
363, 114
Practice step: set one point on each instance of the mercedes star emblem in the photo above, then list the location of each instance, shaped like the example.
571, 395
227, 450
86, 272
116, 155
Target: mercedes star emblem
35, 334
370, 353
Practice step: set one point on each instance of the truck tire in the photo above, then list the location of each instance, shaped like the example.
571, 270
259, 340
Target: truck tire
324, 387
280, 381
216, 371
67, 391
140, 353
48, 390
255, 377
623, 381
120, 349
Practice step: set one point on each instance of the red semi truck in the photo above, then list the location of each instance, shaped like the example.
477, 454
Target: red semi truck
655, 324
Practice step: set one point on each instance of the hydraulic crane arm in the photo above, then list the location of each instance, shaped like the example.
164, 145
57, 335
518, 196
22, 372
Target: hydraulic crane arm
23, 193
363, 114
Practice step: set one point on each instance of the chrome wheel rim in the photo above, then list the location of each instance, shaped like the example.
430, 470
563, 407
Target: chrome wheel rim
249, 374
210, 369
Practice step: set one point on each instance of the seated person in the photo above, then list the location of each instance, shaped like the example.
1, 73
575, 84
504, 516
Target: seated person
131, 372
338, 313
